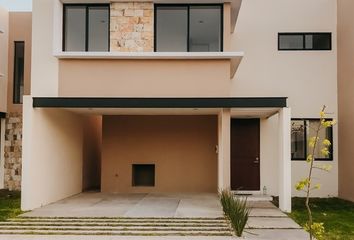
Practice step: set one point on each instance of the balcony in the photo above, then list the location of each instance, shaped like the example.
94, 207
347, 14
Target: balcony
112, 74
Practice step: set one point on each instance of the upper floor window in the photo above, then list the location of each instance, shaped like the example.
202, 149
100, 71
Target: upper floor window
304, 41
188, 28
86, 27
19, 72
301, 131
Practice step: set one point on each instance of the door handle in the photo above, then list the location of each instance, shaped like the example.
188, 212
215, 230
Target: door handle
257, 160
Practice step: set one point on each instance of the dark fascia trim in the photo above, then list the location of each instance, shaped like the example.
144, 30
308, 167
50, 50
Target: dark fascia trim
2, 115
230, 102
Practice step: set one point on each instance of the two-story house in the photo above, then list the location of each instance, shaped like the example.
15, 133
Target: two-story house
177, 96
15, 72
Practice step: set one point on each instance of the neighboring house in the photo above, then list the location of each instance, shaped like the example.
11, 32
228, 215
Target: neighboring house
15, 76
135, 96
346, 98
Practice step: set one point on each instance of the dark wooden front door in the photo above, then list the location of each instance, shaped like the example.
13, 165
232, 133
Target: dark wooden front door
245, 148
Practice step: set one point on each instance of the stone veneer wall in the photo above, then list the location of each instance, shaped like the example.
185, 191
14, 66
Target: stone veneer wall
13, 151
132, 26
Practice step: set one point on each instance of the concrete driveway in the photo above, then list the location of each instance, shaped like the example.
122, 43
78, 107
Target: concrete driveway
94, 204
147, 216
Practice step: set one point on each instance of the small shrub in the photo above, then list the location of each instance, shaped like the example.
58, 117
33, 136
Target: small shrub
235, 210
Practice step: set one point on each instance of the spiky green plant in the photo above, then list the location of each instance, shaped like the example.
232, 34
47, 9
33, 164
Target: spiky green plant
235, 210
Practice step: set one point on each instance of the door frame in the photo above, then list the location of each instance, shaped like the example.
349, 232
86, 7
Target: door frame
251, 192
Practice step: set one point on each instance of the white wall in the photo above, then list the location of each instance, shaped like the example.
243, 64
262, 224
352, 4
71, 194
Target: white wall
44, 80
269, 157
4, 41
52, 155
308, 79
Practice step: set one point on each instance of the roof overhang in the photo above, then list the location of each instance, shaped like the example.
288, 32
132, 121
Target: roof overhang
99, 102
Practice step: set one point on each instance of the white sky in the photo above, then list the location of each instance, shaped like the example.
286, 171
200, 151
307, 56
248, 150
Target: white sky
17, 5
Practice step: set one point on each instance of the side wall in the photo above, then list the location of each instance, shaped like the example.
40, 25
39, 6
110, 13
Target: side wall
181, 147
346, 98
52, 164
20, 29
307, 78
4, 34
4, 27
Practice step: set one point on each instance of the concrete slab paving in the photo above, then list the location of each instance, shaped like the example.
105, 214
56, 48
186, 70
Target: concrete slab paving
133, 205
267, 212
272, 223
274, 234
266, 221
261, 204
154, 207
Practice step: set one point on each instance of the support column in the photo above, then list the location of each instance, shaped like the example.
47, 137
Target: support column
224, 125
285, 160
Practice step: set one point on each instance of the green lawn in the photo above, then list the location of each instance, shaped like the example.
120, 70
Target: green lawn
10, 203
336, 214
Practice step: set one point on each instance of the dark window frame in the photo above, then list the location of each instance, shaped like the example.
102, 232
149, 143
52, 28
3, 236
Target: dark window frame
87, 6
330, 157
14, 100
133, 174
156, 6
304, 34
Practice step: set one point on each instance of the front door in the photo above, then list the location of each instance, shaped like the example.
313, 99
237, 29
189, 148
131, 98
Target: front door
245, 148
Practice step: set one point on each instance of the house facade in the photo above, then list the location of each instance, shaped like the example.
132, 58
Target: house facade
193, 96
15, 73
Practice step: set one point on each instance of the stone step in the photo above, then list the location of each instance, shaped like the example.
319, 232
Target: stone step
113, 233
84, 228
73, 223
118, 220
271, 223
29, 224
126, 218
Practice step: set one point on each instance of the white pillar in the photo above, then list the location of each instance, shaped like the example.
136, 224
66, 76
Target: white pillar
27, 138
285, 160
224, 164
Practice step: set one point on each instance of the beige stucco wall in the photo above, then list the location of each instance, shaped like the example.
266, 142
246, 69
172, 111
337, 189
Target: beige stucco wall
307, 78
20, 24
181, 147
46, 22
4, 26
50, 172
91, 171
346, 98
144, 78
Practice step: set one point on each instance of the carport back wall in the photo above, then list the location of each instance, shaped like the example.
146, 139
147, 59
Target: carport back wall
91, 171
181, 147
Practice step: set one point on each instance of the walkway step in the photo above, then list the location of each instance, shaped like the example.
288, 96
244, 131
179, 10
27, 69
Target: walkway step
62, 228
117, 226
272, 223
122, 220
121, 233
9, 224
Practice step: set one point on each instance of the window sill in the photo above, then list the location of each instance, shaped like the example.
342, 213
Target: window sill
234, 57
